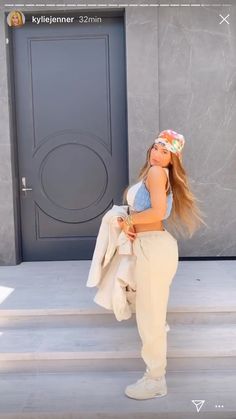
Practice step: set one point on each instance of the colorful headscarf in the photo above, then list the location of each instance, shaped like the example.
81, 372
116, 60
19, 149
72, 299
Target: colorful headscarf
173, 141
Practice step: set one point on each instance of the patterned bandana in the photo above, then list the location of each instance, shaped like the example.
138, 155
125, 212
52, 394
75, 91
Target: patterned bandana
173, 141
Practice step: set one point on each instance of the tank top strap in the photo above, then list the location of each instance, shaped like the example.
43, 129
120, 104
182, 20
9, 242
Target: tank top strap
168, 181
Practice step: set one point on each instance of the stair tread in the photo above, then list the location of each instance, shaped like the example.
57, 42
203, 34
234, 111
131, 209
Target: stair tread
28, 393
197, 286
118, 342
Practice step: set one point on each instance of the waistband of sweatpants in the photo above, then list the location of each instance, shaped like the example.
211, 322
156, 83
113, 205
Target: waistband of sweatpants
152, 233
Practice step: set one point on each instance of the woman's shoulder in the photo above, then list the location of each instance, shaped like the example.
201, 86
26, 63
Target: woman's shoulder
156, 171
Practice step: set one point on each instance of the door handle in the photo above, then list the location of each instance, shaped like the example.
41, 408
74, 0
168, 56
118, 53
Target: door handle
24, 188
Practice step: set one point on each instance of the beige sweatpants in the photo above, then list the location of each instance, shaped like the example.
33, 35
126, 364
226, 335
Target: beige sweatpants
155, 267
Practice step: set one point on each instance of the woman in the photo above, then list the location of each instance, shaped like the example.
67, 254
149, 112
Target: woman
166, 192
15, 18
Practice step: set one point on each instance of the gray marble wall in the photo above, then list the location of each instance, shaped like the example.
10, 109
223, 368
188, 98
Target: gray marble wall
197, 95
181, 74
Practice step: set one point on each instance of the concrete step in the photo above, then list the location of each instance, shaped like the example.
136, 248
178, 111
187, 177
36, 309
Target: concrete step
105, 347
202, 292
63, 356
49, 321
53, 318
93, 395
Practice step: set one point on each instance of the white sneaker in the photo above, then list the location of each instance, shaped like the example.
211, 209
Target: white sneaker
147, 388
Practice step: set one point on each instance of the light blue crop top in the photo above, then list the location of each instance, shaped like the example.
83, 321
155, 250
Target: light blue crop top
138, 198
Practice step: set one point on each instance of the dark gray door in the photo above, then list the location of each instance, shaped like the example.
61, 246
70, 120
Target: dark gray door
70, 98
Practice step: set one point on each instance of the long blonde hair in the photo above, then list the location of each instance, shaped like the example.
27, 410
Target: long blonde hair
18, 14
185, 215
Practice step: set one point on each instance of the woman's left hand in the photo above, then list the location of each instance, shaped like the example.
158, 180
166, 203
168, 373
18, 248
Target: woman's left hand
128, 230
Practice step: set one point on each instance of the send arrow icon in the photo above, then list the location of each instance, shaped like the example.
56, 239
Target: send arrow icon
198, 404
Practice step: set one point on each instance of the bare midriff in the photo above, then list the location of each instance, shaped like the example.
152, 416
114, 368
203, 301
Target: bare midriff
147, 227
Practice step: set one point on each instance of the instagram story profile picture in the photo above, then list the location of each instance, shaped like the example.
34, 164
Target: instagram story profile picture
16, 18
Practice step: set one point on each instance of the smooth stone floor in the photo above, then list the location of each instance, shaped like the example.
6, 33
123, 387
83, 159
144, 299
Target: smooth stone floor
102, 393
197, 285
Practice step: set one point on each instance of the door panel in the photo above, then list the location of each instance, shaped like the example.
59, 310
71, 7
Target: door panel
70, 98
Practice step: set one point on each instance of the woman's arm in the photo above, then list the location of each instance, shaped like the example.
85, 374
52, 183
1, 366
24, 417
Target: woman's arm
156, 182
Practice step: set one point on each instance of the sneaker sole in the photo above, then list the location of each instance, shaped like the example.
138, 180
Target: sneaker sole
145, 398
